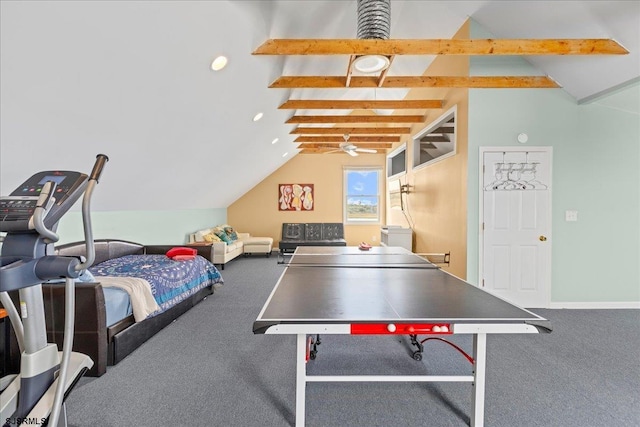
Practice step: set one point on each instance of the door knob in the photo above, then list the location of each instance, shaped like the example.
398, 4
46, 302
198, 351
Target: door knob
543, 238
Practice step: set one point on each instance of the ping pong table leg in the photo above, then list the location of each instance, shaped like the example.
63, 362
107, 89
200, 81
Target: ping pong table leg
301, 378
477, 400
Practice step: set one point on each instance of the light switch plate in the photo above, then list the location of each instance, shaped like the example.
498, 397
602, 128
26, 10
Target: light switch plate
571, 216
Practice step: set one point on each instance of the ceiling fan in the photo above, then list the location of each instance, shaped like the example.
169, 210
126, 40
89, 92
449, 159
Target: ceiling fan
351, 149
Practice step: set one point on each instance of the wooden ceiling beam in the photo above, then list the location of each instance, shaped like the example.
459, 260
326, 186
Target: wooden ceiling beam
440, 47
339, 82
324, 151
328, 145
356, 119
340, 139
342, 104
351, 131
320, 151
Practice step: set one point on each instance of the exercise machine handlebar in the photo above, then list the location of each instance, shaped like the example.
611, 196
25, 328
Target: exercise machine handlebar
44, 203
101, 160
69, 318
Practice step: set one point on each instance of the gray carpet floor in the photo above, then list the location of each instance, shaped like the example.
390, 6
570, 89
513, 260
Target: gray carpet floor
209, 369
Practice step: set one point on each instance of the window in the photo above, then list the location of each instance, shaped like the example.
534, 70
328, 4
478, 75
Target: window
397, 162
436, 142
362, 195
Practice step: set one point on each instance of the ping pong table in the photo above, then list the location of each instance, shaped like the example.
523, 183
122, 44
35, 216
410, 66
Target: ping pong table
383, 291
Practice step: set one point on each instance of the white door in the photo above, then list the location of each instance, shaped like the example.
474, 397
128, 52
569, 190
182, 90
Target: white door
515, 243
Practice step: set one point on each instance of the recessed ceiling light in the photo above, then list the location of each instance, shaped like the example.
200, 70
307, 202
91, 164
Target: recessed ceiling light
285, 154
257, 117
274, 140
371, 63
219, 63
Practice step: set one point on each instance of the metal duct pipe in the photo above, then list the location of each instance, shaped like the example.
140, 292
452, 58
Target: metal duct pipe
374, 17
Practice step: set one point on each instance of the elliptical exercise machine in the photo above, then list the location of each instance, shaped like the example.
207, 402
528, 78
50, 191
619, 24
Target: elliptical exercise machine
30, 217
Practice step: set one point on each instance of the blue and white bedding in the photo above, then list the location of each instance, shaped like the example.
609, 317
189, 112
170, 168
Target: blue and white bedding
117, 303
171, 281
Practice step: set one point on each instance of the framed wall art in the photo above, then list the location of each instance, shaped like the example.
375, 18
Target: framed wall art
295, 197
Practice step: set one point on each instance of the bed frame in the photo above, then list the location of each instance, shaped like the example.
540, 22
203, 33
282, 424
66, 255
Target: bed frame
108, 345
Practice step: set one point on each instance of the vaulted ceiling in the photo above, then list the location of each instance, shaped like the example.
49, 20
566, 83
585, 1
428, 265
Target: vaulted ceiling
377, 55
133, 80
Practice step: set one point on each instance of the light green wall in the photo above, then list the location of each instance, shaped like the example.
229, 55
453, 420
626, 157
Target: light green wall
596, 171
600, 252
147, 227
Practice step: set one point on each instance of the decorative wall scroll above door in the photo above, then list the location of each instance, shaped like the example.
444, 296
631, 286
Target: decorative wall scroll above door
513, 175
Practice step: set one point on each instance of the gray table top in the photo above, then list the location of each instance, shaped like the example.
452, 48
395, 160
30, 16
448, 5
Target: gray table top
344, 250
335, 292
366, 260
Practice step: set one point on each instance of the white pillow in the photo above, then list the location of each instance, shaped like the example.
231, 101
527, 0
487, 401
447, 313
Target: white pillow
200, 234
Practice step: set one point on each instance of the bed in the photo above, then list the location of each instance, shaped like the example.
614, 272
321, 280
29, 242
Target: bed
106, 328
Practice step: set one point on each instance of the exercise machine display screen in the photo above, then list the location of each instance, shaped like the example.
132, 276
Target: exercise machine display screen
17, 209
55, 178
32, 187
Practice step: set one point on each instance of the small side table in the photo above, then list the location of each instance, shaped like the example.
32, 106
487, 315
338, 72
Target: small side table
397, 236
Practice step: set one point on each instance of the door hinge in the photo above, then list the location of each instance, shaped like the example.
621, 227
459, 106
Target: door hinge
483, 283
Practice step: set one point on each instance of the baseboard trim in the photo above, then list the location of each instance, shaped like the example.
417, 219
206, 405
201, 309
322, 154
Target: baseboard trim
596, 305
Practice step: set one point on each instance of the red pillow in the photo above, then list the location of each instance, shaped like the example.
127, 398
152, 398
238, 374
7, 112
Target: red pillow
181, 253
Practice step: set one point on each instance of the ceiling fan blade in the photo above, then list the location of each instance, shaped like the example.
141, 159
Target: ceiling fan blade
351, 153
366, 150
